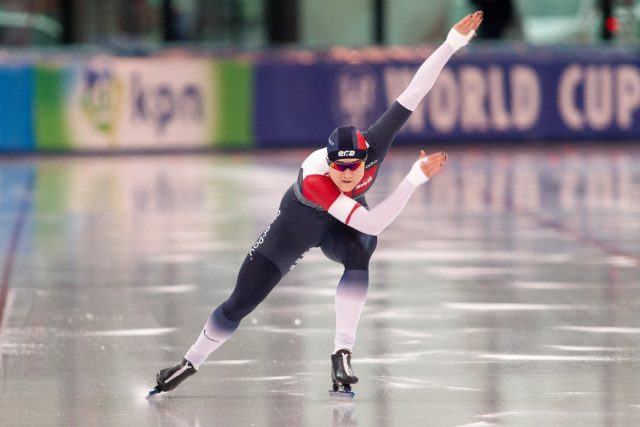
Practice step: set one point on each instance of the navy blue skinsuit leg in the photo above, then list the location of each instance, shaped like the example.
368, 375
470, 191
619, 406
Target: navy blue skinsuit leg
296, 229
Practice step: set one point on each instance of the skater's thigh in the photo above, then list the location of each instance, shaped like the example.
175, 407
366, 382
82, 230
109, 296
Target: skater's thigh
294, 231
348, 246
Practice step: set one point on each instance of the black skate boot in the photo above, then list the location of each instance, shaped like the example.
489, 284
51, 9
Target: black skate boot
170, 378
342, 375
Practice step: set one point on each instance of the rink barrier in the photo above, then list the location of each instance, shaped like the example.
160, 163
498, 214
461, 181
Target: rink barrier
295, 99
481, 95
111, 103
16, 100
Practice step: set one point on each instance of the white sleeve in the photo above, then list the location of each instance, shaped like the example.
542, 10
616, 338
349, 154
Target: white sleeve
373, 221
342, 208
428, 72
378, 218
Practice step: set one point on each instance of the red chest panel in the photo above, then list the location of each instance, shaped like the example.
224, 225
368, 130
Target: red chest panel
365, 182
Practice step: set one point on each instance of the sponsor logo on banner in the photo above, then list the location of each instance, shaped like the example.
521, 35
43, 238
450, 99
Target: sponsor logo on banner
101, 99
354, 95
135, 103
160, 103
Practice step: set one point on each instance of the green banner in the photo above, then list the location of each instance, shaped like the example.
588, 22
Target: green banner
50, 123
234, 109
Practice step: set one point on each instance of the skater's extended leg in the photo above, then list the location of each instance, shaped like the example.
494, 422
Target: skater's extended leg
295, 230
349, 303
257, 277
352, 249
350, 300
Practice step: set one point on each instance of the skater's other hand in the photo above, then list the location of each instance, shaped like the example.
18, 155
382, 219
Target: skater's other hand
433, 163
469, 23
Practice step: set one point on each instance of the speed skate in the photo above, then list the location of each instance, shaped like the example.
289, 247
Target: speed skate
169, 378
342, 375
342, 391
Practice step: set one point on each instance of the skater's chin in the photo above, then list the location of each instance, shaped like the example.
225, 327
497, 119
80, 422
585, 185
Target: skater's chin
346, 187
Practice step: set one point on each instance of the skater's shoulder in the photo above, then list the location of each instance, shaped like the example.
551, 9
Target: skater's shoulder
316, 162
320, 190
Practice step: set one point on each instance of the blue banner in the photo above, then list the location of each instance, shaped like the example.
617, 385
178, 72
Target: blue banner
16, 122
528, 94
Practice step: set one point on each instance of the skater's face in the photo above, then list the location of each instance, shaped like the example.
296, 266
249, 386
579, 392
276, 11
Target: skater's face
346, 173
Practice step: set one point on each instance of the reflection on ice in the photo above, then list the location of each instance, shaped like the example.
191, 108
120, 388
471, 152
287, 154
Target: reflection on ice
554, 358
600, 329
506, 294
514, 306
129, 332
593, 349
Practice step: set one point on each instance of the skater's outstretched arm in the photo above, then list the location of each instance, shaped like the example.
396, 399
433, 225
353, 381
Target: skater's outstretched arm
381, 133
378, 218
426, 75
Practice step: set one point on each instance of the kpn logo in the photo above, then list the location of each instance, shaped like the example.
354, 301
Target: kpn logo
101, 99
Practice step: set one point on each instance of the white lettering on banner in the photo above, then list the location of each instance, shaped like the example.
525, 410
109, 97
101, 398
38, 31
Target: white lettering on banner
473, 84
628, 94
526, 97
599, 84
598, 90
475, 99
569, 81
497, 103
160, 104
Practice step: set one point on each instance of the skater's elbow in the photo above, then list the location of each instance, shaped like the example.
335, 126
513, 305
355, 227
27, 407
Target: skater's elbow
369, 228
368, 222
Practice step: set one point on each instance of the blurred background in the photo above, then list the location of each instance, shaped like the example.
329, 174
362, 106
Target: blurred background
249, 24
507, 293
163, 74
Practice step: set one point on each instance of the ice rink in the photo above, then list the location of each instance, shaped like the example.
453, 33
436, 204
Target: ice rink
506, 294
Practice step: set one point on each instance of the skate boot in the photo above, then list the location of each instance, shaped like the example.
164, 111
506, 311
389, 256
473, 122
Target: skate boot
342, 375
169, 378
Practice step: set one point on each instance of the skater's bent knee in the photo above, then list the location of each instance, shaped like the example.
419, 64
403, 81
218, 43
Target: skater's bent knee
257, 277
357, 253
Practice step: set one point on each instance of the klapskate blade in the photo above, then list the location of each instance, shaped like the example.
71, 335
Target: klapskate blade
153, 392
342, 395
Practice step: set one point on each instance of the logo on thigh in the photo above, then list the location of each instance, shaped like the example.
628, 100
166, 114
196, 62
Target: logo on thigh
262, 237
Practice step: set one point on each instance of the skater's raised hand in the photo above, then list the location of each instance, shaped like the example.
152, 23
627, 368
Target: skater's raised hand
469, 23
432, 164
464, 30
426, 167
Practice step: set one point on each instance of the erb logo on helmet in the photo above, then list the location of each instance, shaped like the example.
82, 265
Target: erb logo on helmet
346, 153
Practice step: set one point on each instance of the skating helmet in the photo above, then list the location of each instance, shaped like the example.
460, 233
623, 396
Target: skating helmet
346, 142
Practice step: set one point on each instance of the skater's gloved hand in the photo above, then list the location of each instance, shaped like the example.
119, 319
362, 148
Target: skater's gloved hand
464, 30
426, 167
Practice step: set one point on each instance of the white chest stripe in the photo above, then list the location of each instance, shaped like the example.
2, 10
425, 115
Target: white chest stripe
342, 207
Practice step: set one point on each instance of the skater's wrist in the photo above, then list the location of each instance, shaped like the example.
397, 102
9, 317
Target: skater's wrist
416, 176
458, 40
